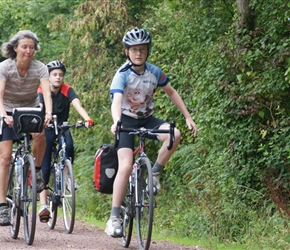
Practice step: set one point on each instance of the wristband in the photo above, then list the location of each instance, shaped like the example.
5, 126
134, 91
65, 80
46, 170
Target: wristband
48, 113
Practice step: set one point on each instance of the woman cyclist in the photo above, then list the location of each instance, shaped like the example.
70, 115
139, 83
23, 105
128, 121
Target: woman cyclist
20, 76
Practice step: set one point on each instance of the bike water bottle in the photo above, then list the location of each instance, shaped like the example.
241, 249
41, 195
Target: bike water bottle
56, 166
18, 165
133, 174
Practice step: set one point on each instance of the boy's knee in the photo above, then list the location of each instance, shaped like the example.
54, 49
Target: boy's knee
177, 135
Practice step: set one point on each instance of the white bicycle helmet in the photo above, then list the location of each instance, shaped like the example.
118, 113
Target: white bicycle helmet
136, 37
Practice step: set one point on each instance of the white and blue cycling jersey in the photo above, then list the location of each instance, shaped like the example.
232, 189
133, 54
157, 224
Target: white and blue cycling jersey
138, 89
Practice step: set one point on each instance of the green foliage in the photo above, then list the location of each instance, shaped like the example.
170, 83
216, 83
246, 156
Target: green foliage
235, 177
34, 15
238, 168
232, 182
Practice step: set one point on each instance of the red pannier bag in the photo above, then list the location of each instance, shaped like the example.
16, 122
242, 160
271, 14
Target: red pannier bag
105, 168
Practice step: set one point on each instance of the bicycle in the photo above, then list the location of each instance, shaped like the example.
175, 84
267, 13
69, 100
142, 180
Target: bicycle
63, 192
22, 191
139, 200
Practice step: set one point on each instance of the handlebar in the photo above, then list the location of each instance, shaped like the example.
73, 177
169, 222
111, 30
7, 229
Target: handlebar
143, 131
64, 125
54, 119
1, 123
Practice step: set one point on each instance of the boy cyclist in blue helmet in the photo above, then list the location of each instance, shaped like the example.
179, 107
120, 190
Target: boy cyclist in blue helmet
132, 91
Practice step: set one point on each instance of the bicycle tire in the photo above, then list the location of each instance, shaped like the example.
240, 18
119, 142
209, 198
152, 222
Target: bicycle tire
127, 214
145, 204
13, 201
29, 201
68, 196
51, 200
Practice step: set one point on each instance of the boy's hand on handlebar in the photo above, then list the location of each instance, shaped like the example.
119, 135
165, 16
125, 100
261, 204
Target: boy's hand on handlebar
89, 123
192, 126
113, 128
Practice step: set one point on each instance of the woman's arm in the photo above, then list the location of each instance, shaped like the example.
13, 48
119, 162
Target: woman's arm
2, 88
8, 119
47, 100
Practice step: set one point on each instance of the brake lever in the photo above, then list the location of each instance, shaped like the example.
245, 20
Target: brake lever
117, 133
54, 117
1, 123
171, 132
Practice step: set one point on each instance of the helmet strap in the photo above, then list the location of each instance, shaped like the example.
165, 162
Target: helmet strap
130, 64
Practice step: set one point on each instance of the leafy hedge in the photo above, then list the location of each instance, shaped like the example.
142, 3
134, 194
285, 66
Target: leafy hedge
232, 182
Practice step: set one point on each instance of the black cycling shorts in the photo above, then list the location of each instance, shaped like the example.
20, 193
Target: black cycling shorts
126, 140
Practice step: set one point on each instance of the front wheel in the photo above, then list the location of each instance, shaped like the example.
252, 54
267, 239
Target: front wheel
68, 196
13, 201
29, 199
127, 214
52, 199
144, 204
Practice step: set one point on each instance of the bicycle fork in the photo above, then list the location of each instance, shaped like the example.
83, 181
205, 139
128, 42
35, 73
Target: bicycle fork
57, 190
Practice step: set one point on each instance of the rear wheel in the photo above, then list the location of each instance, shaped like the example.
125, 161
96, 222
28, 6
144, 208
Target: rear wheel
127, 213
145, 204
13, 201
29, 199
68, 196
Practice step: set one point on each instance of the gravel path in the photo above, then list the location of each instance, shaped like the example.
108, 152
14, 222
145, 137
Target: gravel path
84, 236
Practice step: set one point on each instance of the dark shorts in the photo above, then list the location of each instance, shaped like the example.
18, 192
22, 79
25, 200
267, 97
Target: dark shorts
126, 140
9, 134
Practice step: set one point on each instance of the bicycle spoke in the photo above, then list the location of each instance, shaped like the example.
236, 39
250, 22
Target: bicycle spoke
53, 200
145, 204
29, 200
127, 214
68, 197
13, 202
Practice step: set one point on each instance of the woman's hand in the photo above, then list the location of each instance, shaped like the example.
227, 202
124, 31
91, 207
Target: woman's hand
9, 121
47, 119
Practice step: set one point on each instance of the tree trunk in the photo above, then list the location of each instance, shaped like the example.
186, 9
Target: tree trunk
246, 16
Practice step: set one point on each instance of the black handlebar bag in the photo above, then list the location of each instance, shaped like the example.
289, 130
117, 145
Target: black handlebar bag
28, 120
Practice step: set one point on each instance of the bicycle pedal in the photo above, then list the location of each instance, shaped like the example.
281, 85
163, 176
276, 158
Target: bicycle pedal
44, 219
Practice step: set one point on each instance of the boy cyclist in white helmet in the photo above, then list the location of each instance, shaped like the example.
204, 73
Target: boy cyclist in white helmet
63, 95
132, 91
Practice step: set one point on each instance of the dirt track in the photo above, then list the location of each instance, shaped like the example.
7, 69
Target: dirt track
84, 236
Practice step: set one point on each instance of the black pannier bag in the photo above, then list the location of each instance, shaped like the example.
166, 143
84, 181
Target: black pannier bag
105, 168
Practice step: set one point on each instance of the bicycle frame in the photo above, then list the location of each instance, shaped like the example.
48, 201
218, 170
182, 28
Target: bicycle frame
63, 192
22, 151
57, 169
139, 202
22, 194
